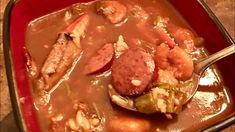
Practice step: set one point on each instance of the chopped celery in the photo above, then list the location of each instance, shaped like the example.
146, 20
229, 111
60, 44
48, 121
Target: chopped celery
159, 22
170, 104
175, 101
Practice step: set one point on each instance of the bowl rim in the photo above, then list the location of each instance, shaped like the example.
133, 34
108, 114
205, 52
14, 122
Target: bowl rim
8, 66
12, 84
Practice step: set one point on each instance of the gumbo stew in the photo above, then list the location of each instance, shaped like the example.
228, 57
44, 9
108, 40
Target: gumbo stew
143, 50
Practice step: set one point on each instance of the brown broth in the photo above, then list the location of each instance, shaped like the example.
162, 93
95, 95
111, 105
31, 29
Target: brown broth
210, 103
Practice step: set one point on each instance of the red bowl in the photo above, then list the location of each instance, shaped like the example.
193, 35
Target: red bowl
19, 13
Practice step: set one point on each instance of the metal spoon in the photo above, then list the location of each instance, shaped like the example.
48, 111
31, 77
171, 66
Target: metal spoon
203, 64
199, 68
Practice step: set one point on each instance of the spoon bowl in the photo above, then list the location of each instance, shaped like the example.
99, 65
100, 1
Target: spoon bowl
199, 68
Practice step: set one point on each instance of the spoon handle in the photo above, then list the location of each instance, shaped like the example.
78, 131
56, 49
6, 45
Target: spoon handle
203, 64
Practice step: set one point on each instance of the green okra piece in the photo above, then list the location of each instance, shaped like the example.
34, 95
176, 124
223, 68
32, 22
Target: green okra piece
145, 103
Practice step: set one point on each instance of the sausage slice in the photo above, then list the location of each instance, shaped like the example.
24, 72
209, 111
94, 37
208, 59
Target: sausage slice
132, 71
100, 60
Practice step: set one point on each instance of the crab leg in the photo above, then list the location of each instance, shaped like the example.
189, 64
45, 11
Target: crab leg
76, 30
64, 53
166, 37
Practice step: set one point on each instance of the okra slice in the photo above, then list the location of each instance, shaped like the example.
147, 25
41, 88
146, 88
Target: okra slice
175, 101
145, 103
163, 99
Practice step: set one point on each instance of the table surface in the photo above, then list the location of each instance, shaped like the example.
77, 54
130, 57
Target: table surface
223, 9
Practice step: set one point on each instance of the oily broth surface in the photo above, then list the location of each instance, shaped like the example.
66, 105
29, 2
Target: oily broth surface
210, 102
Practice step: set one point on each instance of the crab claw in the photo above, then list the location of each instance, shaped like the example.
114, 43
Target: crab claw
76, 30
64, 54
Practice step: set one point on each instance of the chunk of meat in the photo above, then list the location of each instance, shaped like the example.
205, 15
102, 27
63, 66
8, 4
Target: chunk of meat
161, 56
114, 11
174, 61
132, 71
100, 60
182, 62
184, 38
128, 124
54, 57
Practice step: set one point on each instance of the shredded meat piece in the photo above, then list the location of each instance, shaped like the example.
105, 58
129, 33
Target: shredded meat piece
182, 63
161, 55
113, 10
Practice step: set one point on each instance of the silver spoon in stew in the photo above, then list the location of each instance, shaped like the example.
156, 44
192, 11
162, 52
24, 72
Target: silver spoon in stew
151, 102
